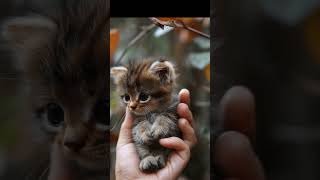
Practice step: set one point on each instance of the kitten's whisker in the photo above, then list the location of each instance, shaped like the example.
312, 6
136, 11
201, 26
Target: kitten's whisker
33, 170
44, 172
118, 122
97, 147
8, 78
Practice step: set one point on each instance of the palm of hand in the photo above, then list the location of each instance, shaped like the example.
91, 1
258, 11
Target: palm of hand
130, 165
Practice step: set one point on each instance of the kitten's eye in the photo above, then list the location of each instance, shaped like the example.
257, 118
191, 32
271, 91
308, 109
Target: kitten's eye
55, 114
144, 97
126, 98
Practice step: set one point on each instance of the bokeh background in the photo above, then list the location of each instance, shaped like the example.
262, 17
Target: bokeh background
273, 47
191, 54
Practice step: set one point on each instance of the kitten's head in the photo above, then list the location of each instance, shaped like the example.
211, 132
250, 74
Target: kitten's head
64, 60
145, 86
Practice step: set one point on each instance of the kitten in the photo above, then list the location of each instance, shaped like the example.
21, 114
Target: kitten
147, 90
64, 59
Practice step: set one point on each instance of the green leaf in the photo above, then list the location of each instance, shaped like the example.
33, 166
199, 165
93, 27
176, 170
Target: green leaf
199, 60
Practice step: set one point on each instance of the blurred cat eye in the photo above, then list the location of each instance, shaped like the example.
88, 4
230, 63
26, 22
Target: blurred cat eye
144, 97
126, 98
55, 114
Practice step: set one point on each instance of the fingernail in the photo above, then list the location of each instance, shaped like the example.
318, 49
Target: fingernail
184, 89
183, 121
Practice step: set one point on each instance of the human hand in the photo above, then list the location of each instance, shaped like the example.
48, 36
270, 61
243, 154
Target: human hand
127, 160
233, 152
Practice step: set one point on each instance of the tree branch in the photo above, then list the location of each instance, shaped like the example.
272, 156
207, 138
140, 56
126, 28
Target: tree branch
135, 40
177, 24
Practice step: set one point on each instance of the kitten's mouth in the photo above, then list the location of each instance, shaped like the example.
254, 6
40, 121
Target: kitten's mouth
138, 113
91, 158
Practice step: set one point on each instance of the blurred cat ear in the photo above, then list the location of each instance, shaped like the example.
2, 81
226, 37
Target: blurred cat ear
164, 70
27, 31
117, 73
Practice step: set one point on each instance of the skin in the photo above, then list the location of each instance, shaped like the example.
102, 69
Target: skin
127, 160
233, 151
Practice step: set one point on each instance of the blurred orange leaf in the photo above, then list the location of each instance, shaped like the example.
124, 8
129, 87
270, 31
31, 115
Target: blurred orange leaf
185, 20
114, 41
186, 36
312, 36
207, 72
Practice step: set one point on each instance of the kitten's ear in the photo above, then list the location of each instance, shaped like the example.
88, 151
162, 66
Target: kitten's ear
117, 73
26, 31
164, 70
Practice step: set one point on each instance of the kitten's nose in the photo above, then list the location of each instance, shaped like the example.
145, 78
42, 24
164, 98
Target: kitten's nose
133, 107
73, 145
74, 139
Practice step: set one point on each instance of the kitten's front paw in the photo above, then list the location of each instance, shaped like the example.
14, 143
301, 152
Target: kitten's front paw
157, 132
145, 138
152, 163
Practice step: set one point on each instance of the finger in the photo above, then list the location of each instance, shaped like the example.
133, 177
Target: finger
177, 160
125, 136
184, 112
182, 151
235, 158
184, 96
237, 111
177, 144
188, 133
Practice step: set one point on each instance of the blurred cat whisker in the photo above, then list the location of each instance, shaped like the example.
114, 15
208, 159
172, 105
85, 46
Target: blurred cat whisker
8, 79
33, 170
117, 123
8, 76
97, 147
103, 128
43, 173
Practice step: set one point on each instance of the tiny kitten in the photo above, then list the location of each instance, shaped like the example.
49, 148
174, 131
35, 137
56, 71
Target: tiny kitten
147, 90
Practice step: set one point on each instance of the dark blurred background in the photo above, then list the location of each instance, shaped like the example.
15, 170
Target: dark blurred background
273, 48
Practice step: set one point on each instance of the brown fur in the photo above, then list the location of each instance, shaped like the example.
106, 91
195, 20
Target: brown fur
64, 61
155, 118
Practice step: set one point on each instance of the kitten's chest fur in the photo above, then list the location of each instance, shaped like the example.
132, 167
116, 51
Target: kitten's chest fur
164, 119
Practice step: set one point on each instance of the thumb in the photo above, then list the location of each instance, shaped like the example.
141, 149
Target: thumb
125, 136
235, 157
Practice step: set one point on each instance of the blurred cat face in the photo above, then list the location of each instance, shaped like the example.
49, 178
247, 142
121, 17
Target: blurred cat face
75, 118
145, 86
65, 66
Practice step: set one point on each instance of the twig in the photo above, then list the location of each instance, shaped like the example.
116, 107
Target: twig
177, 24
136, 39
